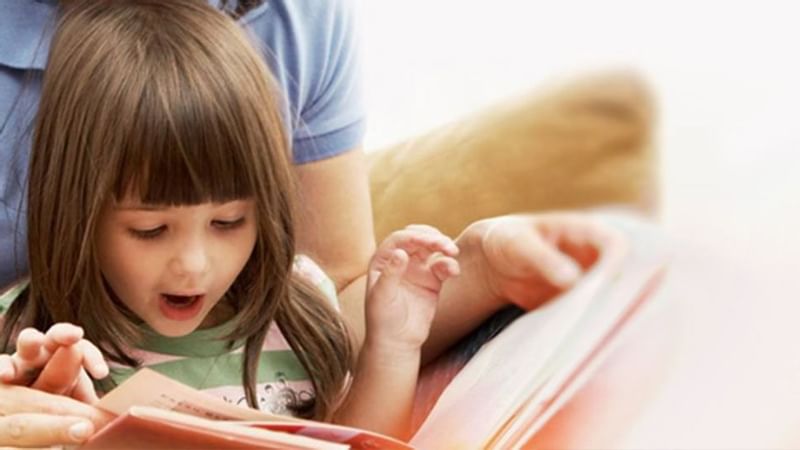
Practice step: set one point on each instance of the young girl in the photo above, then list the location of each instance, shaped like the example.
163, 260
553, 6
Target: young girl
161, 222
160, 214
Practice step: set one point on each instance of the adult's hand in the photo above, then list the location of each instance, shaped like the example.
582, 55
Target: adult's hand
32, 418
43, 414
527, 259
522, 260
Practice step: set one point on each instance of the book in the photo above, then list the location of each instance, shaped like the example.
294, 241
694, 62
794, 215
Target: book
534, 362
155, 412
495, 389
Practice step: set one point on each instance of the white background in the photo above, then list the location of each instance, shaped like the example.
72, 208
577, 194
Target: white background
726, 77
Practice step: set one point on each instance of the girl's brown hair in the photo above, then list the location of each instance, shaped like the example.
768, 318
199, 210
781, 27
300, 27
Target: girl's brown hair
167, 100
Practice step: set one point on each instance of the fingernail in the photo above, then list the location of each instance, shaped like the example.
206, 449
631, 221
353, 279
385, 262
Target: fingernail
100, 370
395, 260
80, 431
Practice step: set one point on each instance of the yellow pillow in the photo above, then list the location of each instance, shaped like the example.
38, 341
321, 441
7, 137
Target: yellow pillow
585, 143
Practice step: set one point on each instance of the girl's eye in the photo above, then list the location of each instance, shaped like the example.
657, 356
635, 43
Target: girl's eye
228, 224
151, 233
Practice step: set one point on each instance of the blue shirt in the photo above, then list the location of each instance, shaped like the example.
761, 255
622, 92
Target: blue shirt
309, 44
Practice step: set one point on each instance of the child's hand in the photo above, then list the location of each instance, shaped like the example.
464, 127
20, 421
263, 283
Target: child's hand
405, 277
58, 362
527, 259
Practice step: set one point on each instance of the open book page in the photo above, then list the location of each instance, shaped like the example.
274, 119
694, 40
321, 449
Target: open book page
600, 326
149, 388
185, 406
522, 374
156, 429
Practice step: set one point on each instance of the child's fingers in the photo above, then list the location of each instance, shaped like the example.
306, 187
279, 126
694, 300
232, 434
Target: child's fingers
61, 372
386, 251
93, 360
61, 335
419, 243
386, 258
35, 348
380, 259
29, 357
432, 231
84, 391
7, 370
444, 267
390, 275
30, 344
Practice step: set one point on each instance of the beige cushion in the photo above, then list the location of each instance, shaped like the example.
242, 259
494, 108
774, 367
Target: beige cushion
584, 143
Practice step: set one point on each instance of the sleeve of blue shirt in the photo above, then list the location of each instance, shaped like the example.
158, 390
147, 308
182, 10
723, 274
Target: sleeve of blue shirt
312, 48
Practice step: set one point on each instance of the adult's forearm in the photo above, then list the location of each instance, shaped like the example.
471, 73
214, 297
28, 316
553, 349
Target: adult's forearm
334, 216
466, 300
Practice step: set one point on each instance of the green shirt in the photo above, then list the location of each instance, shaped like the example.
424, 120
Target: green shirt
203, 360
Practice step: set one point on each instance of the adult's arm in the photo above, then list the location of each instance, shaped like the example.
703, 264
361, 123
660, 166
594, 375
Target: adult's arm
334, 226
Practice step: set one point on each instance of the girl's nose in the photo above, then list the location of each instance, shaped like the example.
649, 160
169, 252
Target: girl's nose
191, 259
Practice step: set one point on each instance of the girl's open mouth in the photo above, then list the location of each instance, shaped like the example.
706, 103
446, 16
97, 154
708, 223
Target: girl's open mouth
180, 307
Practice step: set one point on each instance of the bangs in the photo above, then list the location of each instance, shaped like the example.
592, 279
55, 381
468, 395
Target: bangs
177, 108
185, 147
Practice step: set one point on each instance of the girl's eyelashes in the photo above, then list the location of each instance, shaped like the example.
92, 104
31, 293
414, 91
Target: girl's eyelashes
151, 233
228, 224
